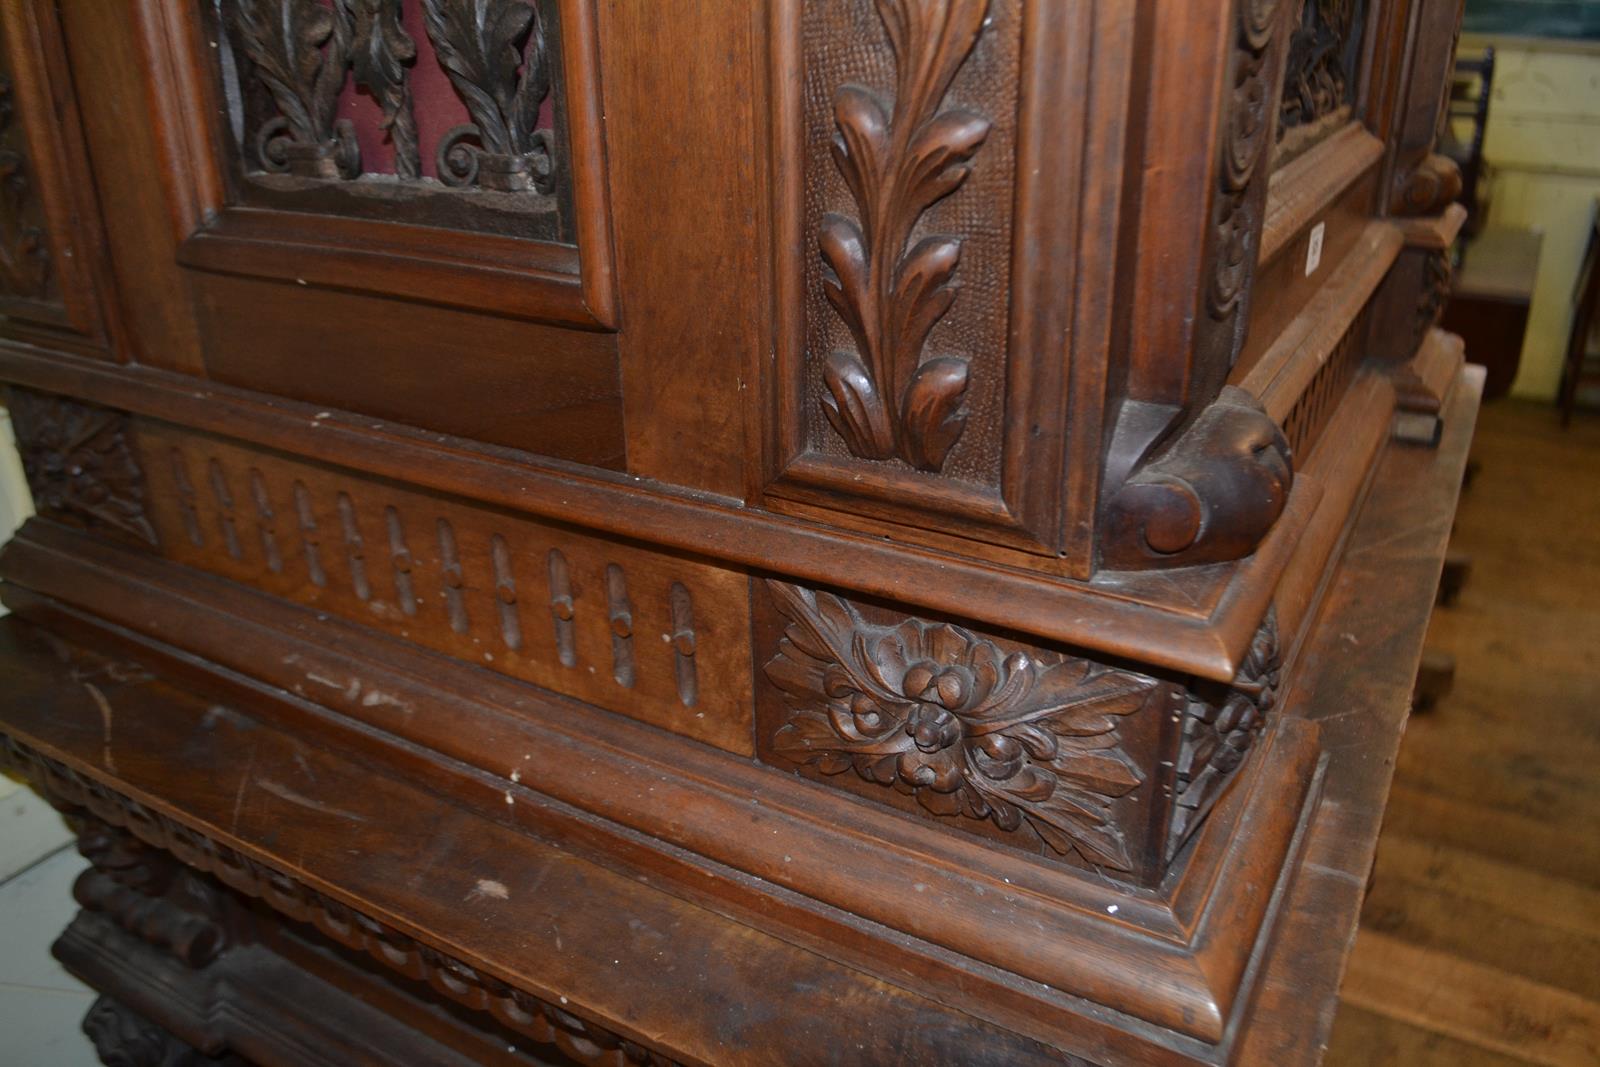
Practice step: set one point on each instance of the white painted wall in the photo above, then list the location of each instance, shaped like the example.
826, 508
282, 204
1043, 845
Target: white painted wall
1543, 149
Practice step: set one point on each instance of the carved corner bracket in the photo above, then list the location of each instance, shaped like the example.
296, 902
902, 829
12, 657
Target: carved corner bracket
885, 400
80, 462
1209, 497
123, 1038
1220, 727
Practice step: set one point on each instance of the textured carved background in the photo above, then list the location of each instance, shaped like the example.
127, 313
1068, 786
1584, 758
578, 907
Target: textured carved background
846, 43
652, 637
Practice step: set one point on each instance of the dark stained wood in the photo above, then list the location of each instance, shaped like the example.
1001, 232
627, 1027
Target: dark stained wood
680, 101
144, 215
753, 533
499, 380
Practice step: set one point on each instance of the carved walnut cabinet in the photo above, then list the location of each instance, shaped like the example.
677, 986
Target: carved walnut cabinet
800, 531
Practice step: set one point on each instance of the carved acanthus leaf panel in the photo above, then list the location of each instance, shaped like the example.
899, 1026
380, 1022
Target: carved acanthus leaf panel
380, 54
885, 399
299, 50
543, 1022
1028, 743
1319, 81
24, 252
80, 462
495, 56
305, 52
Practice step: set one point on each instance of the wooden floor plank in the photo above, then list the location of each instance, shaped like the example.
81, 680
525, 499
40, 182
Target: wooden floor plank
1478, 1005
1469, 825
1511, 888
1480, 937
1372, 1039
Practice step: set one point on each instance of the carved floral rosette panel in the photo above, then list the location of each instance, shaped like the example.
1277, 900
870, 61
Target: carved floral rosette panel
81, 463
453, 106
1090, 764
908, 158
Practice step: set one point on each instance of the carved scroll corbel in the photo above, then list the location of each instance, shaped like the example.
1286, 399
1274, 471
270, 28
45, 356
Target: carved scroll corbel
1430, 187
1208, 498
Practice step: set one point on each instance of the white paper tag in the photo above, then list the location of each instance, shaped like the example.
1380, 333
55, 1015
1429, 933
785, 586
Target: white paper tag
1314, 248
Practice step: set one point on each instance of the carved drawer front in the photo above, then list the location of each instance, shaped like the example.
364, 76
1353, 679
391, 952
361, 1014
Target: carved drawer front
1082, 762
654, 637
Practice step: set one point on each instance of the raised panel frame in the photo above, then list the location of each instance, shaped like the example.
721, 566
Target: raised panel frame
1059, 143
46, 111
568, 285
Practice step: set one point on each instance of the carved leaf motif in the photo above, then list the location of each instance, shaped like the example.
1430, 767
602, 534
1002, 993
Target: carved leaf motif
883, 400
284, 38
480, 44
933, 413
379, 57
1219, 730
933, 710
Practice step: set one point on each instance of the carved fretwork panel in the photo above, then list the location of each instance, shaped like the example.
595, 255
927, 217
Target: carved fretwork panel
653, 637
81, 464
1304, 423
1076, 761
1324, 67
448, 110
897, 383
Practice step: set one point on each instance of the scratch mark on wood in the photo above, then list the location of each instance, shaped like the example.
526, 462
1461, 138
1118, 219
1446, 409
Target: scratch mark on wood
278, 789
106, 716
